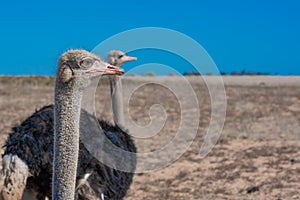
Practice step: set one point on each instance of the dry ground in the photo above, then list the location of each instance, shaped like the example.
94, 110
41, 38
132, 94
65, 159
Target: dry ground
257, 156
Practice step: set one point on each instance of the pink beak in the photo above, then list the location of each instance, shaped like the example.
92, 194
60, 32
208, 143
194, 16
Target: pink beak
113, 70
106, 69
128, 58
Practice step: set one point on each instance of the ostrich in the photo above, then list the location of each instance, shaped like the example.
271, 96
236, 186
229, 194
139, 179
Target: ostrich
75, 71
29, 156
117, 58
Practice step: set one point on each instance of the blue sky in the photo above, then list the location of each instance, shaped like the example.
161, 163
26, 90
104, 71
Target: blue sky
258, 36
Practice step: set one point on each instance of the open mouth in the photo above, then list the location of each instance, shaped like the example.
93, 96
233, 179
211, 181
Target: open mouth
106, 69
113, 70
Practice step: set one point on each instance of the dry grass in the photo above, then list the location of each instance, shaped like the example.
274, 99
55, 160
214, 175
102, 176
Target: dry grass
257, 156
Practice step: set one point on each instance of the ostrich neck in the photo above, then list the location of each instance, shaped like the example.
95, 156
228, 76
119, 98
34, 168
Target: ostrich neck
66, 142
117, 100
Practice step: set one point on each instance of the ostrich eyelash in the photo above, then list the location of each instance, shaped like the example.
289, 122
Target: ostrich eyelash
87, 63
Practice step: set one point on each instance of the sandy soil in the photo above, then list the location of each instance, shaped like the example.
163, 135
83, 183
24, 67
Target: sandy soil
256, 157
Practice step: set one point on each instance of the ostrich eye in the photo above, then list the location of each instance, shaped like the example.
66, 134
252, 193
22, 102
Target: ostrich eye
120, 56
87, 63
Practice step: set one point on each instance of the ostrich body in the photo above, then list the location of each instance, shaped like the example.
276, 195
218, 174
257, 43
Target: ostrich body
30, 145
117, 58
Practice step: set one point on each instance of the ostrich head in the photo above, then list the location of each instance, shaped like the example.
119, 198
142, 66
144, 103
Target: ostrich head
117, 58
80, 67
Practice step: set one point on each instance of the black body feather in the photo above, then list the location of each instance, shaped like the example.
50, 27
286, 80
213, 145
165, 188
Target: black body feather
32, 141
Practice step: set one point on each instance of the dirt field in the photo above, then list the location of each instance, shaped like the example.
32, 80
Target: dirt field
256, 157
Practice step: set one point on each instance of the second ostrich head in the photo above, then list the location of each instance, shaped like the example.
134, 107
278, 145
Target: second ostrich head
117, 58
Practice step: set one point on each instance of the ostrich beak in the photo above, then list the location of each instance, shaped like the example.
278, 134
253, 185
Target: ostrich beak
113, 70
128, 58
105, 69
